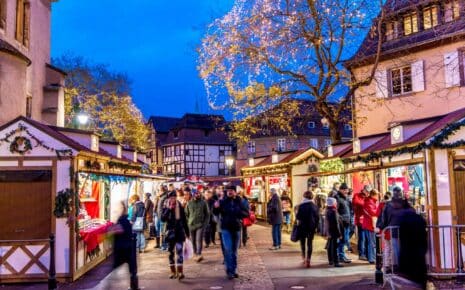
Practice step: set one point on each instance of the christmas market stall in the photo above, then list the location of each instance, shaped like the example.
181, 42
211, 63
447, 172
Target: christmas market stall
56, 180
277, 171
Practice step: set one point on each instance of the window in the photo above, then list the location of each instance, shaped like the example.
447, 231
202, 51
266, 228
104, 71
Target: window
29, 107
327, 142
311, 125
347, 127
314, 143
410, 24
23, 22
430, 17
281, 145
251, 147
391, 30
401, 80
326, 126
451, 10
2, 14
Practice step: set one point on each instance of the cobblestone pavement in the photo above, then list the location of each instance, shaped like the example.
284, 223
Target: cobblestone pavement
259, 268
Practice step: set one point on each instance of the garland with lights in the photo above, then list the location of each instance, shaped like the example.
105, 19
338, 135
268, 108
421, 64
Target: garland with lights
436, 142
122, 166
16, 143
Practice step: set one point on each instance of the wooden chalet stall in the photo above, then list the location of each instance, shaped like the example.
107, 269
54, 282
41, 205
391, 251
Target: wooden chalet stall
280, 171
56, 180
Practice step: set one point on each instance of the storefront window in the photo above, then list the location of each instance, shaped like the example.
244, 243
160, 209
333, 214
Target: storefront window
412, 181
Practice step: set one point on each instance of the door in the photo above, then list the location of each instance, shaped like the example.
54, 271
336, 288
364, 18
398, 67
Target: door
25, 205
459, 180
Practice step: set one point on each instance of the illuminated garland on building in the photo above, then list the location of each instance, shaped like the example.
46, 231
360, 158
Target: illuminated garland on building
436, 142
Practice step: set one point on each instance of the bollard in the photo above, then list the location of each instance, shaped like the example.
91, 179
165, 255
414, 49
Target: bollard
134, 278
460, 278
379, 261
52, 280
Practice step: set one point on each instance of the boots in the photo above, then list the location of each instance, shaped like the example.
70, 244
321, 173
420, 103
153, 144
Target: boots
173, 272
180, 273
157, 241
307, 263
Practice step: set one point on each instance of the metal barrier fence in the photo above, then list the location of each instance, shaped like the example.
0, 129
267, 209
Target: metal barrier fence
446, 244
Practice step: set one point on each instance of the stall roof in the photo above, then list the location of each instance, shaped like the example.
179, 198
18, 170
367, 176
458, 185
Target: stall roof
293, 157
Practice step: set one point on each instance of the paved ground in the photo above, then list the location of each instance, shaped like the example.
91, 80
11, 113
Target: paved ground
259, 268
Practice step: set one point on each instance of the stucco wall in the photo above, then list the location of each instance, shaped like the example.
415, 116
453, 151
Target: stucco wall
374, 114
12, 87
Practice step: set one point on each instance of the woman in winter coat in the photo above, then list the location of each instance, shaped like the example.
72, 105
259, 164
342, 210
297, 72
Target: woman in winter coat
138, 211
176, 232
286, 203
307, 223
370, 208
334, 230
275, 218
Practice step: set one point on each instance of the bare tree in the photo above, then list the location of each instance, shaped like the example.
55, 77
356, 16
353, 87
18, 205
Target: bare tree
266, 51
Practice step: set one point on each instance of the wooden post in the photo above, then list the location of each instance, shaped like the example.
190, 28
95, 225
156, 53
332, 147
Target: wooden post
52, 281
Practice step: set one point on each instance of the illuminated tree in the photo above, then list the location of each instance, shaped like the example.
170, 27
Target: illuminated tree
105, 97
266, 51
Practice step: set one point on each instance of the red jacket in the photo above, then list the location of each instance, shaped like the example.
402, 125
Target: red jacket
358, 202
369, 212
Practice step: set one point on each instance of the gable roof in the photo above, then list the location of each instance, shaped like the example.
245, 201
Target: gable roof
201, 121
163, 124
294, 157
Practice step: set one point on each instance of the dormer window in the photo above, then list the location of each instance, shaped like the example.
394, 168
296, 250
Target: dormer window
347, 127
391, 30
410, 24
451, 10
430, 17
311, 125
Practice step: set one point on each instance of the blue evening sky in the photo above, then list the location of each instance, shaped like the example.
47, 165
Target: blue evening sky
153, 41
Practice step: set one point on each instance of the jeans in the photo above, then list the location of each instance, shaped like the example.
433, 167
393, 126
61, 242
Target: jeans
175, 248
342, 242
140, 242
306, 246
210, 232
287, 218
370, 236
361, 233
231, 240
197, 240
160, 230
156, 225
244, 235
276, 233
321, 225
221, 243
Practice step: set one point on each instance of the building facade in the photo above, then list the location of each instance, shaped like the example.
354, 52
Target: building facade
196, 144
29, 85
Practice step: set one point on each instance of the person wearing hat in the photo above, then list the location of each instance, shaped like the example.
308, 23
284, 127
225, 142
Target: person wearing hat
334, 231
231, 211
176, 232
275, 218
358, 202
343, 209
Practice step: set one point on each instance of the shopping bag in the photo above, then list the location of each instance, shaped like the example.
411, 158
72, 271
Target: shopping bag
295, 235
188, 250
138, 225
247, 222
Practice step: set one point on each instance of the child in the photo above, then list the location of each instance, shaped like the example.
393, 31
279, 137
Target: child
334, 225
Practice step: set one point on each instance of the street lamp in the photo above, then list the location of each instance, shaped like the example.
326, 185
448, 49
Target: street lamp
82, 118
229, 160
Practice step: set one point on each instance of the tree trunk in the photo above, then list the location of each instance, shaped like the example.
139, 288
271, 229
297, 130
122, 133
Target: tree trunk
334, 131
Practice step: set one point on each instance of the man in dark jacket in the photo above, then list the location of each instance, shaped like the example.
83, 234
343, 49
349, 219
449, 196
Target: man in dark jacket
343, 209
333, 231
139, 212
231, 210
275, 218
149, 214
161, 225
210, 230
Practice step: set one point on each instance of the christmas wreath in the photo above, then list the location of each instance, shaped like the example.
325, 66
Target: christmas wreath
20, 145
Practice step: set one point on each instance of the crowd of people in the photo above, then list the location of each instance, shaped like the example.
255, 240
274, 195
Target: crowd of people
201, 214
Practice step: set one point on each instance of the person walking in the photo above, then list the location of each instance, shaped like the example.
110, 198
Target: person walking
210, 229
275, 218
307, 219
139, 212
321, 204
177, 231
286, 203
161, 225
231, 210
358, 203
246, 204
369, 223
334, 231
343, 209
198, 216
149, 215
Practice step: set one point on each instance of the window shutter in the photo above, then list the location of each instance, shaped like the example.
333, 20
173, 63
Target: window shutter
381, 84
452, 69
19, 20
418, 76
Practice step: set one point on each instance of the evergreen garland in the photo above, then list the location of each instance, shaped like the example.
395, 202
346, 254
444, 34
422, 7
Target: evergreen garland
436, 142
63, 206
